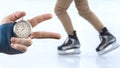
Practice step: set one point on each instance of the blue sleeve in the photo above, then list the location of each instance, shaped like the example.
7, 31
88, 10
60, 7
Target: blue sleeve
6, 32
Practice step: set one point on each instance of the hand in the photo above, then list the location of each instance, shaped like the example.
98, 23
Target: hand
22, 44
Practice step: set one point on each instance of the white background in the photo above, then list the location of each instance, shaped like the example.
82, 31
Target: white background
43, 52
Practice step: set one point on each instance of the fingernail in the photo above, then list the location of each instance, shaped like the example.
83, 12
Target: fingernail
17, 12
12, 45
20, 13
13, 39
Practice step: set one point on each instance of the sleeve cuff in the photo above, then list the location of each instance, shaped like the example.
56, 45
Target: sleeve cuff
6, 32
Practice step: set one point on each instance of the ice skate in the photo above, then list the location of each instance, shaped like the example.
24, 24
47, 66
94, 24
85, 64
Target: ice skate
70, 46
108, 43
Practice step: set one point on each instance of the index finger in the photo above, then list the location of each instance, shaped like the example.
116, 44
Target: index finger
36, 20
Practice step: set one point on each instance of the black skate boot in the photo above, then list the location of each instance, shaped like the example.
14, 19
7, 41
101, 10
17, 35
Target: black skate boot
70, 46
107, 39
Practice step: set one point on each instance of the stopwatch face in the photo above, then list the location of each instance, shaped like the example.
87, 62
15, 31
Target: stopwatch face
22, 29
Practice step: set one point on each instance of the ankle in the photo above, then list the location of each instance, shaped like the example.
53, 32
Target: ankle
104, 31
73, 35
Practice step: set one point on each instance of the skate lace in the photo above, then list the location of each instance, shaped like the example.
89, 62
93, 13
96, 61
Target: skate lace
66, 41
100, 37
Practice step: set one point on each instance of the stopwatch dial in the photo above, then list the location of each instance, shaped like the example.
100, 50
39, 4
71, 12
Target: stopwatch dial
22, 29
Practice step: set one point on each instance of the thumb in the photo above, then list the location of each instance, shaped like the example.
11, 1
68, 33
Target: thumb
13, 17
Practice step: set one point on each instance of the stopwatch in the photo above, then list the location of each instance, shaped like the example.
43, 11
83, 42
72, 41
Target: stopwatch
22, 29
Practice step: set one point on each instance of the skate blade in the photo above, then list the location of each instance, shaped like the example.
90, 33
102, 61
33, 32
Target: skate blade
69, 52
108, 49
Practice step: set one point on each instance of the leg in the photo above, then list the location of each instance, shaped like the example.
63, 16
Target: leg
84, 11
71, 44
60, 11
106, 37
